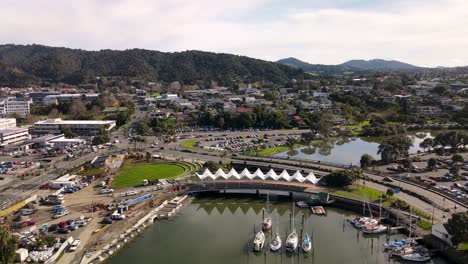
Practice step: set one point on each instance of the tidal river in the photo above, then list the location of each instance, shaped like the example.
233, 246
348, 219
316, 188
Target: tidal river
220, 230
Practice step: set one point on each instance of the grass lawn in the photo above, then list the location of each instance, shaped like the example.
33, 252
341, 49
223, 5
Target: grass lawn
92, 171
360, 124
134, 174
271, 151
424, 225
463, 246
190, 143
358, 193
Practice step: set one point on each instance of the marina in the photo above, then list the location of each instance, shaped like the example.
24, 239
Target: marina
216, 229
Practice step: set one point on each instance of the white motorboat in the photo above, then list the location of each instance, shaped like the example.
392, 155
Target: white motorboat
259, 241
292, 241
306, 243
275, 244
374, 229
416, 257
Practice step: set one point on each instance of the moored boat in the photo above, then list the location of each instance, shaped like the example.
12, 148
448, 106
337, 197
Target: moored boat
259, 241
302, 204
306, 243
416, 257
275, 244
292, 241
374, 229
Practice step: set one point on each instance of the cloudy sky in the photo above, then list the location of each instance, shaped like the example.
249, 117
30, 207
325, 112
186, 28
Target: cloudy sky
421, 32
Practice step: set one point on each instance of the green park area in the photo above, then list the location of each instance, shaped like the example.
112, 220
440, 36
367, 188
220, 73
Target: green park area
358, 192
190, 143
132, 174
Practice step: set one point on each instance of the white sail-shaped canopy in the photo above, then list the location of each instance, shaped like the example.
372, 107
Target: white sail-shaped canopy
245, 174
258, 175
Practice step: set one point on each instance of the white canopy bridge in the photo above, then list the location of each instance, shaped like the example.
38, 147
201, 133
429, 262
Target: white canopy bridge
258, 175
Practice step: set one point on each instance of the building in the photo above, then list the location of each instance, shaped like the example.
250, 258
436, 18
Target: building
80, 127
66, 98
12, 136
100, 161
7, 123
440, 231
13, 105
66, 180
427, 110
38, 97
140, 93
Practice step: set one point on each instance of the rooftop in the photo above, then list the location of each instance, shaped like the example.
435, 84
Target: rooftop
74, 122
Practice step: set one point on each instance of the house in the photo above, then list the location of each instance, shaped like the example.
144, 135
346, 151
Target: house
440, 231
159, 114
100, 161
229, 107
140, 93
244, 110
298, 120
427, 109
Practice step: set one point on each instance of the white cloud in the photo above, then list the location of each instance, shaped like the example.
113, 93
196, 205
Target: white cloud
427, 33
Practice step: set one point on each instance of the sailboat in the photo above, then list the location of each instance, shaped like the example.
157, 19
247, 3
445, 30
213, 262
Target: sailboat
259, 241
275, 243
267, 223
416, 257
292, 240
306, 243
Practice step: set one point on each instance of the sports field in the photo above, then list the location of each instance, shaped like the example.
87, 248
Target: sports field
134, 174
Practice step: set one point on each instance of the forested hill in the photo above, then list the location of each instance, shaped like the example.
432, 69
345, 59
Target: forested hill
22, 65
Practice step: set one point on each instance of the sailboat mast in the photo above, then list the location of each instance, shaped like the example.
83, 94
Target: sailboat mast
380, 206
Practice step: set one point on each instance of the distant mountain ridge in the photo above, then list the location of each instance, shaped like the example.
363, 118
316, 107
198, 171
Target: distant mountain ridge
352, 65
23, 65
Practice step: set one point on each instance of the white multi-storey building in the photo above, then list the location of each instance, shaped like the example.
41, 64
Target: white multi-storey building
80, 127
12, 105
6, 123
13, 136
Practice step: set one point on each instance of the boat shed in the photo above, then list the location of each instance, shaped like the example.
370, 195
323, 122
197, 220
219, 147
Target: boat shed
66, 180
440, 231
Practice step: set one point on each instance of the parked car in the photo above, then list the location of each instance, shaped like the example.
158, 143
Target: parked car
107, 220
105, 191
64, 230
61, 214
53, 228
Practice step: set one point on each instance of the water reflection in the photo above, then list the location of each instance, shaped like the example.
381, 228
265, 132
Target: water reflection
346, 150
220, 230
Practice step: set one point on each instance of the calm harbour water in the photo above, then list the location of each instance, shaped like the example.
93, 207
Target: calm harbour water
345, 150
221, 230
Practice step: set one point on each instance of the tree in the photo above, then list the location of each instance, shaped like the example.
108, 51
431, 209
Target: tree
30, 119
325, 123
55, 113
457, 226
307, 138
7, 246
148, 156
68, 132
395, 148
427, 144
390, 192
457, 158
77, 108
101, 138
431, 163
343, 178
290, 143
211, 165
366, 160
